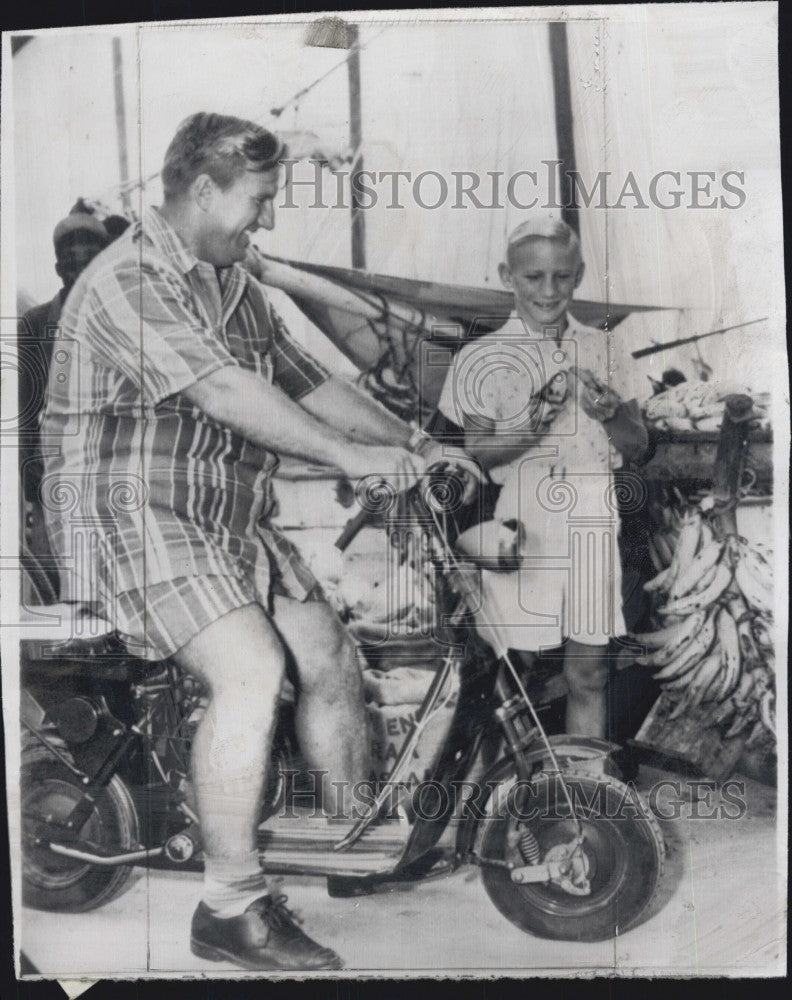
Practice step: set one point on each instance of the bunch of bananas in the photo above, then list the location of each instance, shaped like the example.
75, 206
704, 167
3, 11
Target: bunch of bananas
698, 406
663, 540
716, 646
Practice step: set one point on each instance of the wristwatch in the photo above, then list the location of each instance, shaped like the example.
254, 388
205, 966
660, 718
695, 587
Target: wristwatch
418, 439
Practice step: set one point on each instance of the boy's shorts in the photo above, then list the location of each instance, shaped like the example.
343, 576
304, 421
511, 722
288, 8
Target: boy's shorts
538, 609
571, 585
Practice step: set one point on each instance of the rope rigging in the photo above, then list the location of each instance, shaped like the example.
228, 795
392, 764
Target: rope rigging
274, 114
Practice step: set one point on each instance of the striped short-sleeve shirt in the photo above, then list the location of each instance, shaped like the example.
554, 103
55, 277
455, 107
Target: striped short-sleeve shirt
134, 472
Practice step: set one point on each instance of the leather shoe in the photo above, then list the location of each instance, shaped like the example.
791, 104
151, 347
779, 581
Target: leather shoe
265, 936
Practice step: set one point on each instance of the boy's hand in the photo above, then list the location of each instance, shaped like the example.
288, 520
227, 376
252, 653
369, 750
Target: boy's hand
598, 400
543, 413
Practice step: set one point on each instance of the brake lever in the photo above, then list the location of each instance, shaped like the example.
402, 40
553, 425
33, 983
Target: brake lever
353, 527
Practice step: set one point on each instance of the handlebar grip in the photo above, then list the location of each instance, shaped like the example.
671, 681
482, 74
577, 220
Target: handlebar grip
352, 528
365, 517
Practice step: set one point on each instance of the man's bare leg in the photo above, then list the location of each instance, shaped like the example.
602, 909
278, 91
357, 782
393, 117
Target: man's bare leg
586, 673
332, 725
240, 660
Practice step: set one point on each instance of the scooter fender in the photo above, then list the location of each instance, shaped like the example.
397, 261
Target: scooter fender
31, 714
583, 754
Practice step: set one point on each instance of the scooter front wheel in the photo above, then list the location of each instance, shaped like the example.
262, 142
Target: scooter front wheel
612, 876
52, 881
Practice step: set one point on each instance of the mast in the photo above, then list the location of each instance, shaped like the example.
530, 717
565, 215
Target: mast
120, 115
565, 141
336, 33
355, 140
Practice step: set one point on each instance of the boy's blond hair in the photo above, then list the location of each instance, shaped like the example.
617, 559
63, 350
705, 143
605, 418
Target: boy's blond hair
550, 227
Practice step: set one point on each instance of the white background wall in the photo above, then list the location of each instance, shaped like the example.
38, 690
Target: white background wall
685, 88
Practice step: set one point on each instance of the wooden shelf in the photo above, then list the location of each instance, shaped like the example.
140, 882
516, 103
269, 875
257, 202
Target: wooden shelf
691, 455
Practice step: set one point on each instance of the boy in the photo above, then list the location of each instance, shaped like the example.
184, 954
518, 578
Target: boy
537, 410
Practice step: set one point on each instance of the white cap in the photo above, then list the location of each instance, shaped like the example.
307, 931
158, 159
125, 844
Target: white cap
549, 225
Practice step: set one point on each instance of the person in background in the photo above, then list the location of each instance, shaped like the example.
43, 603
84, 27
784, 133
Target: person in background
114, 224
77, 239
539, 412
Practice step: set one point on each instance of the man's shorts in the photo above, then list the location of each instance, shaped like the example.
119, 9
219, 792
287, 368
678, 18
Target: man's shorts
155, 621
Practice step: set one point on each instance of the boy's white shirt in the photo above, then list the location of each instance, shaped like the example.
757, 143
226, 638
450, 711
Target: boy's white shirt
576, 442
561, 489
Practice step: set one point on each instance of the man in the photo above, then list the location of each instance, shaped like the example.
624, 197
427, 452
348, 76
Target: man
185, 388
78, 238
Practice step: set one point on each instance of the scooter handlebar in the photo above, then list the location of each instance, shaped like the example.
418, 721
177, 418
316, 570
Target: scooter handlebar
365, 517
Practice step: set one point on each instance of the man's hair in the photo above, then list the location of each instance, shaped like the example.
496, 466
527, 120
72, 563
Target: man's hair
549, 227
221, 146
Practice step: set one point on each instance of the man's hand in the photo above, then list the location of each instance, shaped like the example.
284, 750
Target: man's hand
270, 272
397, 466
597, 400
403, 469
435, 453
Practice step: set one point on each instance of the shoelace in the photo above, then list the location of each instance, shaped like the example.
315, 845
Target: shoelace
279, 915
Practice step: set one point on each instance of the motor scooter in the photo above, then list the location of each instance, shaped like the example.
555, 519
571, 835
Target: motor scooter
106, 788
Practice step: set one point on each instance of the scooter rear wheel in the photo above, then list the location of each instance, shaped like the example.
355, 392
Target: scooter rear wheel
67, 885
623, 858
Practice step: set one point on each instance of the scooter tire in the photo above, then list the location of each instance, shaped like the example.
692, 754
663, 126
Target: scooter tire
66, 885
624, 851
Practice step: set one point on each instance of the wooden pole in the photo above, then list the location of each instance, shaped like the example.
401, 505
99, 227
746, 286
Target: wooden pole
565, 140
120, 113
355, 139
730, 460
